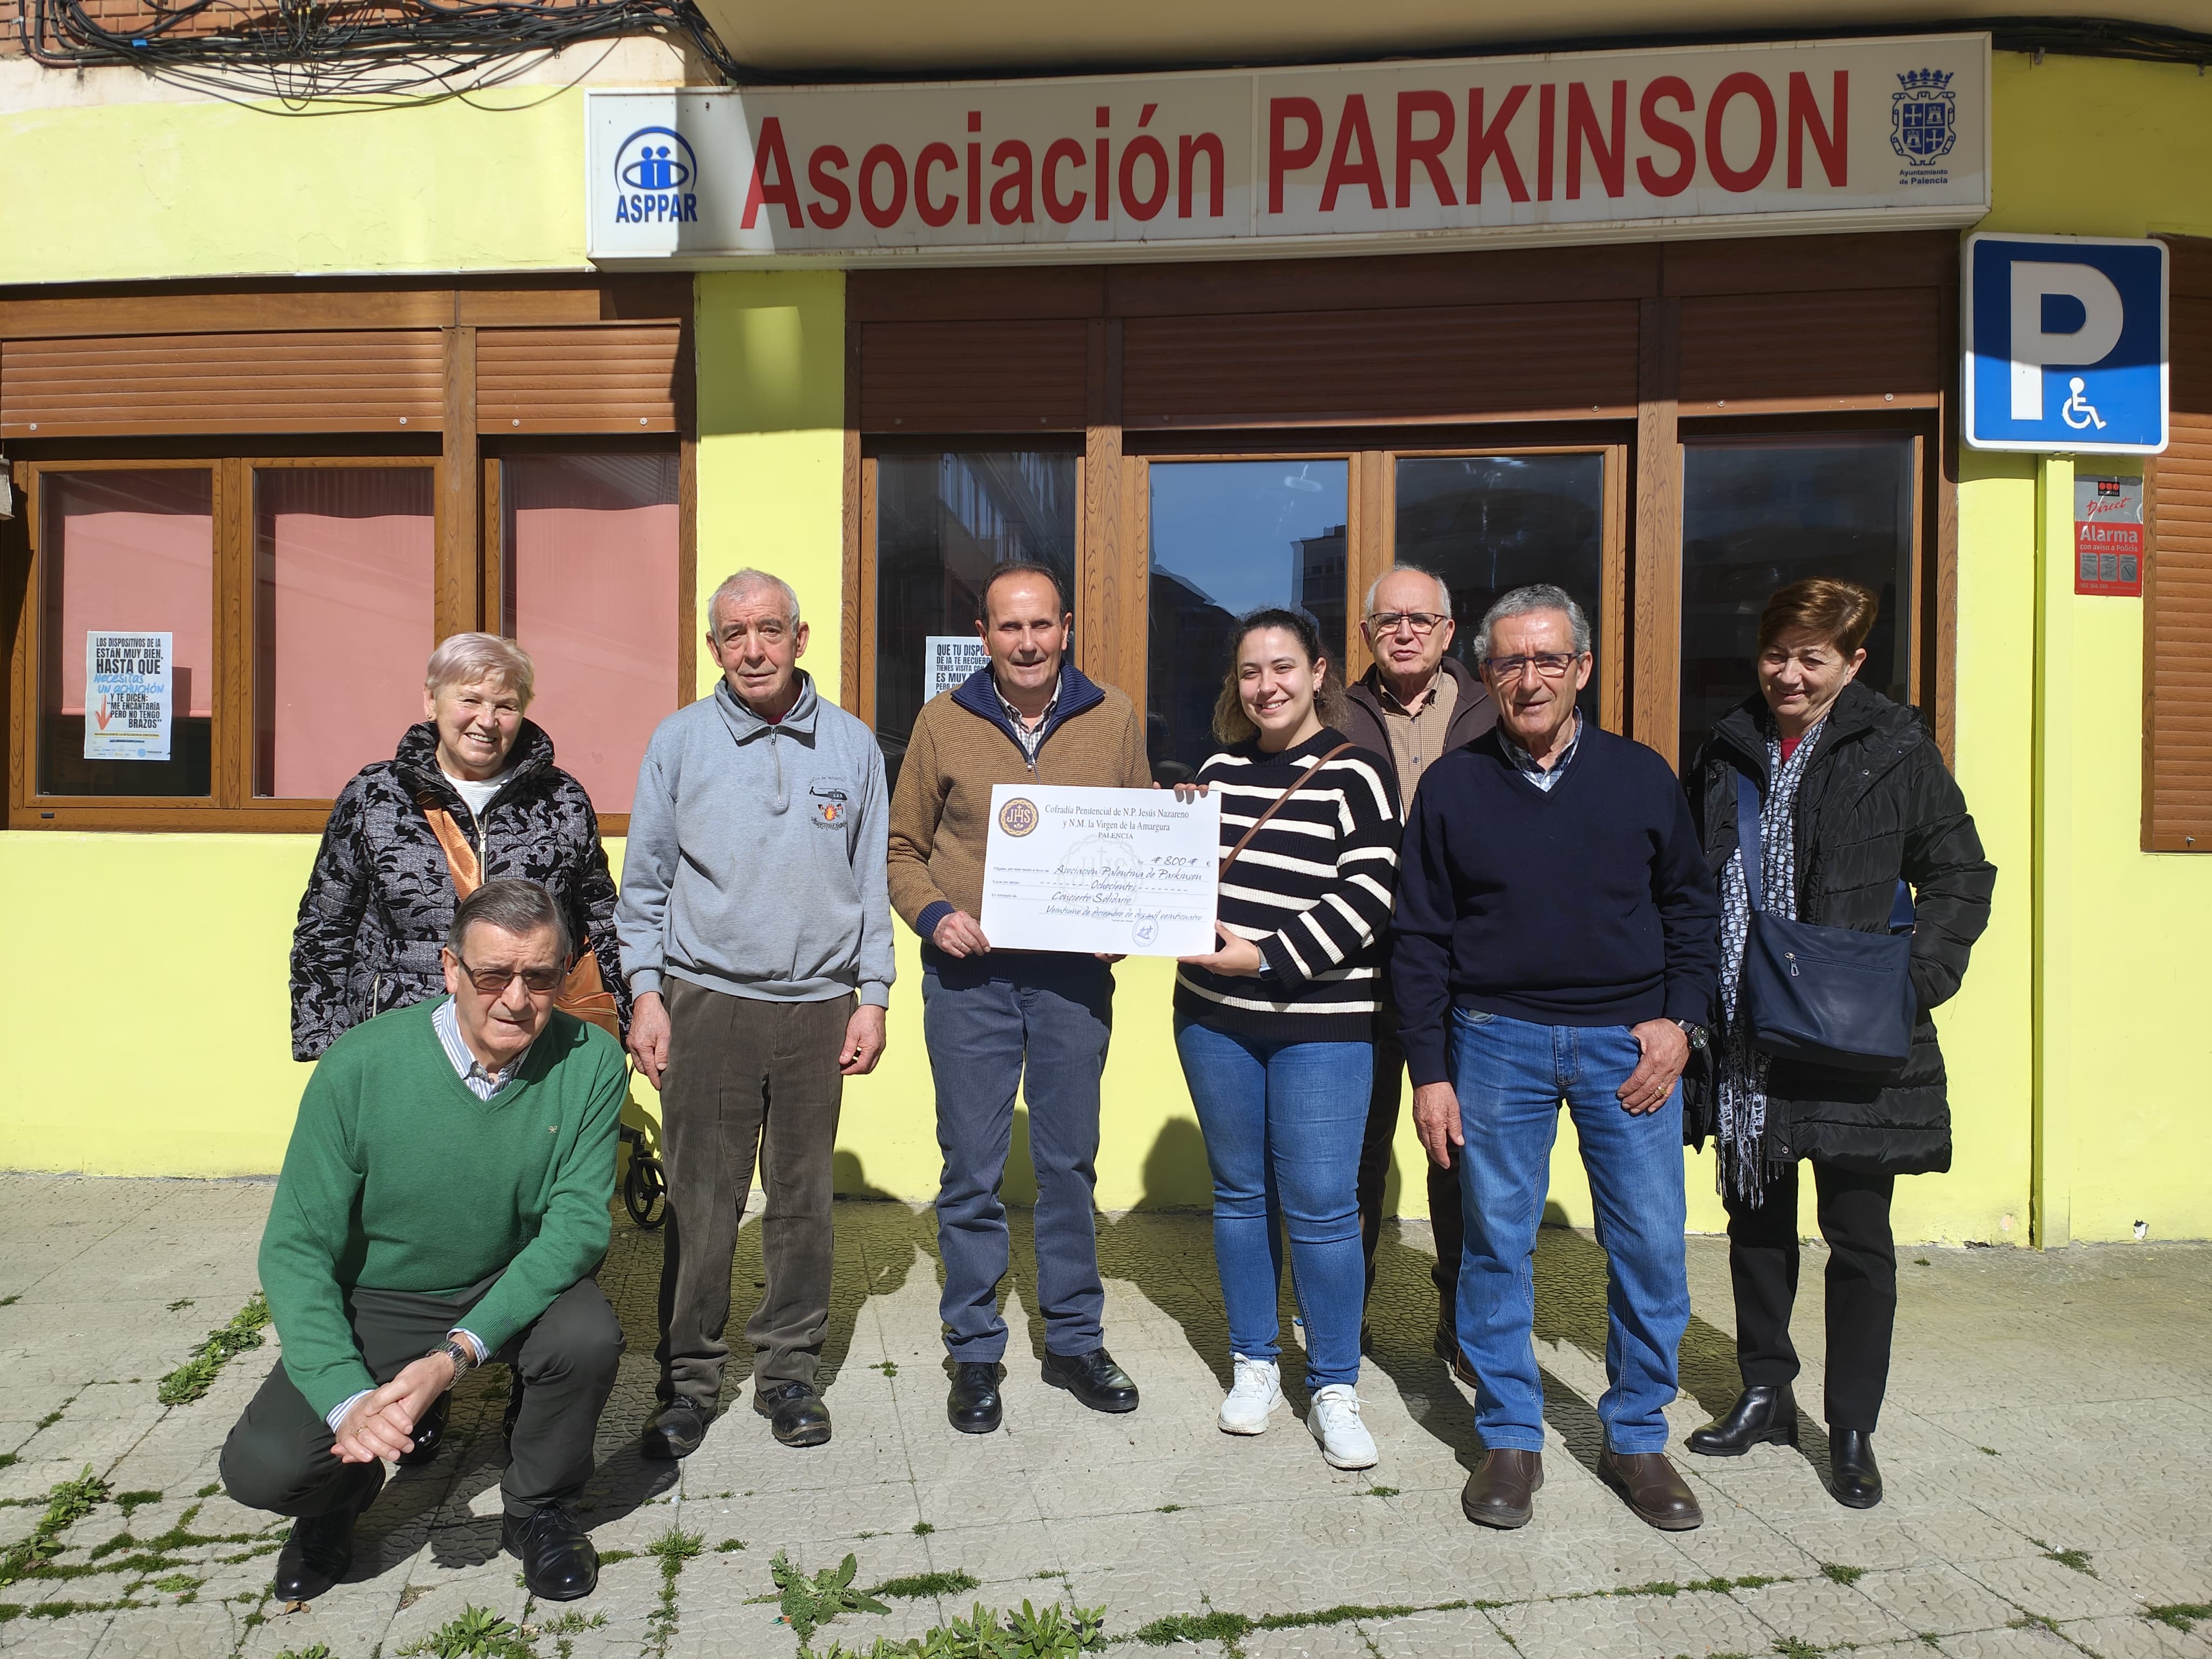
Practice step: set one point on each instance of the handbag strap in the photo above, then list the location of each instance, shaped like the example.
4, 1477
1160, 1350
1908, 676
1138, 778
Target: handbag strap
1754, 858
1260, 823
1748, 839
460, 857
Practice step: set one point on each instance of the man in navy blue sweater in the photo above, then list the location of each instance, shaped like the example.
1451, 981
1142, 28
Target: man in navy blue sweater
1557, 937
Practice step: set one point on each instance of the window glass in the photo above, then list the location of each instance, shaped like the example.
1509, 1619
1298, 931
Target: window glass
343, 590
943, 520
589, 590
126, 552
1488, 524
1759, 515
1228, 537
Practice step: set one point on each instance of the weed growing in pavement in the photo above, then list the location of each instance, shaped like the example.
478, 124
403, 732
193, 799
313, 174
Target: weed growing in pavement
47, 1422
11, 1301
671, 1549
2179, 1615
1989, 1451
1791, 1647
919, 1584
1224, 1627
196, 1375
2077, 1559
1054, 1633
1380, 1491
922, 1529
1836, 1573
180, 1304
808, 1602
1169, 1508
729, 1546
2035, 1622
131, 1502
888, 1367
67, 1502
475, 1633
318, 1650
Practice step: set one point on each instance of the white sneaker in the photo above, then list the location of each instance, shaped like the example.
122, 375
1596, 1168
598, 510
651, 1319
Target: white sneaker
1257, 1391
1334, 1420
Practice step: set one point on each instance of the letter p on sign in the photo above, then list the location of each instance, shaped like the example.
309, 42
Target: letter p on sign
2064, 344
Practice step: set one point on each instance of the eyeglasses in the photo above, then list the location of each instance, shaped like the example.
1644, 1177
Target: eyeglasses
493, 981
1551, 665
1421, 622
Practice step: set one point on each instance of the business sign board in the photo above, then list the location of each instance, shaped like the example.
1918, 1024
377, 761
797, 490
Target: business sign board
2108, 527
1691, 141
2064, 344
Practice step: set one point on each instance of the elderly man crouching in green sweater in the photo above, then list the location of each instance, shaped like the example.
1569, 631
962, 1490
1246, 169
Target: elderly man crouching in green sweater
443, 1203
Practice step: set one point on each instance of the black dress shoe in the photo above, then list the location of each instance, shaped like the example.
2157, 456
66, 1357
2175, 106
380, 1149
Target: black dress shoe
973, 1402
796, 1415
429, 1434
1854, 1475
558, 1561
1093, 1378
320, 1549
676, 1430
1761, 1416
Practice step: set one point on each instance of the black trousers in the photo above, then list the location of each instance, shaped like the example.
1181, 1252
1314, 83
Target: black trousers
1383, 1105
279, 1457
1862, 1287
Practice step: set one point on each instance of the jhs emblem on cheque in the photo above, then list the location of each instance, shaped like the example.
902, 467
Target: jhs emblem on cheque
1923, 117
1018, 816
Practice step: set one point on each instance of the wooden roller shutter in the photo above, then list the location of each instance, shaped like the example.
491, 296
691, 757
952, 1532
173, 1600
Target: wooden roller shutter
1850, 349
2178, 580
616, 378
384, 381
1439, 363
1010, 377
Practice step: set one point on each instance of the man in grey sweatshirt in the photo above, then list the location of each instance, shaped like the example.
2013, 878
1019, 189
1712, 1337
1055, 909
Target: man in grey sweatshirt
755, 935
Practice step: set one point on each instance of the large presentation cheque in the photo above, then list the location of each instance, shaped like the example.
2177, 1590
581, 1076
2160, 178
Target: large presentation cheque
1129, 871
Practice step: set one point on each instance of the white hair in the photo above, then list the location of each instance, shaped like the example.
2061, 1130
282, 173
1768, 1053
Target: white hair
465, 659
1524, 601
1443, 593
749, 582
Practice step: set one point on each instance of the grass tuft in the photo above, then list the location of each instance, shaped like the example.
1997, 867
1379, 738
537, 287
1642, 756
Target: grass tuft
1192, 1627
67, 1502
196, 1375
2179, 1615
1836, 1573
917, 1585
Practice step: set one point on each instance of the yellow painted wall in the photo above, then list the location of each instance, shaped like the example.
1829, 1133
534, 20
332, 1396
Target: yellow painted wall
102, 192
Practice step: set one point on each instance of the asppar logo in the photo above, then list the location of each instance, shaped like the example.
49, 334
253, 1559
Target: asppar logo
659, 175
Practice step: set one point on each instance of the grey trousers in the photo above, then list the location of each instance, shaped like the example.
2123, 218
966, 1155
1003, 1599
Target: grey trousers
279, 1455
748, 1081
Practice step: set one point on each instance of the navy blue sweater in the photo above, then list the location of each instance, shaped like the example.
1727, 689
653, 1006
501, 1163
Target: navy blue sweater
1586, 905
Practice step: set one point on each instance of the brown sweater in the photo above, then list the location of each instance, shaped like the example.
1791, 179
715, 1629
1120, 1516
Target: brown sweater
962, 745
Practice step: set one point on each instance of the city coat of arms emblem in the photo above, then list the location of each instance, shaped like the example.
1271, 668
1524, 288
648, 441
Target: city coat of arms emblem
1923, 117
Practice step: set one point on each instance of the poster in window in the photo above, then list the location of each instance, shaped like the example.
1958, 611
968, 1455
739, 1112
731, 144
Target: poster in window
947, 659
126, 695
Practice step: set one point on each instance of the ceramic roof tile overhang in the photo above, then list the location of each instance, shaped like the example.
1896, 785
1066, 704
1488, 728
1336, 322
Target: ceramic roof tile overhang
864, 40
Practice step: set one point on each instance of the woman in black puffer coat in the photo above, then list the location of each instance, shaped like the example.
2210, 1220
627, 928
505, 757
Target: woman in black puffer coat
381, 895
1853, 797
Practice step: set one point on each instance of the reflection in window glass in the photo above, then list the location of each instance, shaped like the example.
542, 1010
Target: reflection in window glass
127, 551
943, 520
1758, 516
588, 544
344, 587
1488, 524
1228, 537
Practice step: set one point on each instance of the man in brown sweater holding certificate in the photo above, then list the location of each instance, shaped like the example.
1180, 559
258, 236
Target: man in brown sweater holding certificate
991, 1017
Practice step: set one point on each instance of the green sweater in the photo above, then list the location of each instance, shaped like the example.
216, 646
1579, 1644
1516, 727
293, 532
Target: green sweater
399, 1179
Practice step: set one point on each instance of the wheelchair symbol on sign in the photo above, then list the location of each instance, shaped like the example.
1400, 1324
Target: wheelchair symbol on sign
2077, 405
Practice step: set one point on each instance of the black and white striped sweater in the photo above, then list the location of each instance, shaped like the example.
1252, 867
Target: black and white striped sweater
1313, 891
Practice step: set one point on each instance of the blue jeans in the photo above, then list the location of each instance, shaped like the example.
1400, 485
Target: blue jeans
1284, 1122
1035, 1023
1510, 1076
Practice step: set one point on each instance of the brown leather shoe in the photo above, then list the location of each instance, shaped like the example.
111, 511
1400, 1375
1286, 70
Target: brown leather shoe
1501, 1493
1449, 1350
1659, 1496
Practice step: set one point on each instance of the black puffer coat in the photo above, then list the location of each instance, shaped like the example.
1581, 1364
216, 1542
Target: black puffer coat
380, 898
1876, 803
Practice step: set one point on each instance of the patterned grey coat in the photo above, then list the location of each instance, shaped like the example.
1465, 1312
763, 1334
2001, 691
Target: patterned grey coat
380, 898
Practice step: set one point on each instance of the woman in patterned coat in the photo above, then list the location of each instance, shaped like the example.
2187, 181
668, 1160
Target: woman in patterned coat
381, 896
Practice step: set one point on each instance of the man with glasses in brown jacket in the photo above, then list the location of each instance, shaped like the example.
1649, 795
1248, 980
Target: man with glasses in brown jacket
1416, 702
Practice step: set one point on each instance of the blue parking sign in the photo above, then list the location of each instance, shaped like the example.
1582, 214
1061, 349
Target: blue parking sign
2065, 342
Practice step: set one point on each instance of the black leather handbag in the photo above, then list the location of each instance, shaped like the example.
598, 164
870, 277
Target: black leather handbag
1833, 996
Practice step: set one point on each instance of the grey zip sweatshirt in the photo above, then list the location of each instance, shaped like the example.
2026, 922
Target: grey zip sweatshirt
756, 860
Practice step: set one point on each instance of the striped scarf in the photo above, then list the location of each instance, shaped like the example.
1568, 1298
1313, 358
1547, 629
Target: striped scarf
1740, 1097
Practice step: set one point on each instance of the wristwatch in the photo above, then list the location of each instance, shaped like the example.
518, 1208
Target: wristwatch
1695, 1033
463, 1356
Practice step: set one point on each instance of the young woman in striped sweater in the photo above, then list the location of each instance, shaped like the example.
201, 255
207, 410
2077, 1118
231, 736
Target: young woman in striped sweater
1275, 1028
